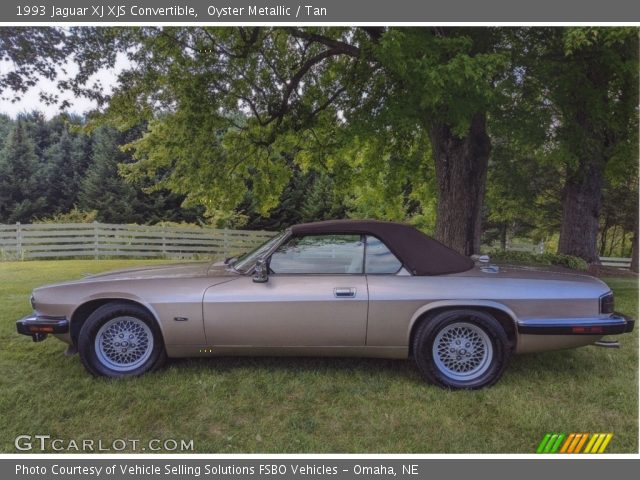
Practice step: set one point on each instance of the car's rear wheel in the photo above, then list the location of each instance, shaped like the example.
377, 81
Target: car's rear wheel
461, 349
120, 340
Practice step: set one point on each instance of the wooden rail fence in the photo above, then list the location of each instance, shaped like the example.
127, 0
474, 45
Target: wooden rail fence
99, 240
616, 262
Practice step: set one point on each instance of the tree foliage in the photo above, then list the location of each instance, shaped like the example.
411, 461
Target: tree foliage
34, 53
267, 126
50, 168
21, 182
591, 78
239, 105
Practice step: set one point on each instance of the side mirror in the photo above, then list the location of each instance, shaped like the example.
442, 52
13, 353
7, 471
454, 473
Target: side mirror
261, 271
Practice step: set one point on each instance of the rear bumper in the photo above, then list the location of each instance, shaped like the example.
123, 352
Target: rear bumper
39, 326
614, 324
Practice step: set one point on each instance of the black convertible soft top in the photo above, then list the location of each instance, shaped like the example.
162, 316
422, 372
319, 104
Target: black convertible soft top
420, 254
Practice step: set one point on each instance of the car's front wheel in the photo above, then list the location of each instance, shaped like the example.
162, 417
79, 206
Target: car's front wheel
120, 340
461, 349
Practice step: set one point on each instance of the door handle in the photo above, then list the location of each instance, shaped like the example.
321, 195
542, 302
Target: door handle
344, 292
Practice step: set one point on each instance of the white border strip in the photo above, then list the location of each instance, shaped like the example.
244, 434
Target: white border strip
169, 456
319, 24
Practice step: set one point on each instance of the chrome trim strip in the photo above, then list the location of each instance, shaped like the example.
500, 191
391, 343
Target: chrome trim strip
571, 322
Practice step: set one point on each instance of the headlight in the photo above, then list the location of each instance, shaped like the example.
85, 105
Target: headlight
606, 303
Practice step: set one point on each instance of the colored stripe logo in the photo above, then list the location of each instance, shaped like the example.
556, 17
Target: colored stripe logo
574, 443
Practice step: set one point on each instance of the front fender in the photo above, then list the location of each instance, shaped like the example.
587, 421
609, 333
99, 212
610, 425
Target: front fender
119, 296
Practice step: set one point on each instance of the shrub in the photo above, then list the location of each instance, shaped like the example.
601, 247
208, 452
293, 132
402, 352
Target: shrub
530, 258
74, 215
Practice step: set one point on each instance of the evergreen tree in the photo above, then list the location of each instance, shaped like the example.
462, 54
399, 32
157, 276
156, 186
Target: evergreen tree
102, 189
308, 197
21, 196
6, 125
319, 201
65, 166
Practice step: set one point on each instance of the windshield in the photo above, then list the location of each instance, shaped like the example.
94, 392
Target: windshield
246, 261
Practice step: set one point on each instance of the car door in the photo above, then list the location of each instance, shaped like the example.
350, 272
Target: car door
392, 293
316, 295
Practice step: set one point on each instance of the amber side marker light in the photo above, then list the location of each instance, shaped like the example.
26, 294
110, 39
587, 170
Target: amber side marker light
41, 329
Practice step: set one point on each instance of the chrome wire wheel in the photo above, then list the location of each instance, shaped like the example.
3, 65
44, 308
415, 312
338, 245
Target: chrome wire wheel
462, 351
124, 343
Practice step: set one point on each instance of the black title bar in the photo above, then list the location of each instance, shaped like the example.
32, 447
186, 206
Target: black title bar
319, 11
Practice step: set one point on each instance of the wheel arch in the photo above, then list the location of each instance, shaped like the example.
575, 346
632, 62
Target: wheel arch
85, 309
503, 314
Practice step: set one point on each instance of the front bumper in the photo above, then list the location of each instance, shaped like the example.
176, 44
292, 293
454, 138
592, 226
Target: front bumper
614, 324
39, 326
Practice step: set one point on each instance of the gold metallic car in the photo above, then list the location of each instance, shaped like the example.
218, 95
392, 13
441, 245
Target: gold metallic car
340, 288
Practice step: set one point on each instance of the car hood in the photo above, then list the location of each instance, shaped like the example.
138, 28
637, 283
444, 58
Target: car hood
175, 270
529, 273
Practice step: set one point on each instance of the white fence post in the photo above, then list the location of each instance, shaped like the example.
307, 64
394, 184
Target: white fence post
95, 240
18, 240
225, 244
164, 241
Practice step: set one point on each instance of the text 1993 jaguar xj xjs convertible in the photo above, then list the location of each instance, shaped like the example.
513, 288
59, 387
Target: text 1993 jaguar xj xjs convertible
341, 288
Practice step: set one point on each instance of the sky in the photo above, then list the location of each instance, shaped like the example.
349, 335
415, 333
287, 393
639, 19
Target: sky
31, 100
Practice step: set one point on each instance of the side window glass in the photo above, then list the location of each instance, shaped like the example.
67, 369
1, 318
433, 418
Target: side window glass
320, 254
379, 258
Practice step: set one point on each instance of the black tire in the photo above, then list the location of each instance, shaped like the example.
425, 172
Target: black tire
98, 363
480, 327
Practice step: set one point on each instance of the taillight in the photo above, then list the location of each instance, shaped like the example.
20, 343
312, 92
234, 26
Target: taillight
595, 329
607, 303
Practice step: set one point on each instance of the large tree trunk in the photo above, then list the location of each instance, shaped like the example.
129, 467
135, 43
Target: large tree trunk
582, 200
461, 173
604, 237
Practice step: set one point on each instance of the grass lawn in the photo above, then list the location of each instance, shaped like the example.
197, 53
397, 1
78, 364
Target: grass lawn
290, 405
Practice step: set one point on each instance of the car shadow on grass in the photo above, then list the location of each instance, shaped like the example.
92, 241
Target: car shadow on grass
329, 365
577, 364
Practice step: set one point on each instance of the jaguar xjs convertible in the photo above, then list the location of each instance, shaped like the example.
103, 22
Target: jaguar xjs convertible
334, 288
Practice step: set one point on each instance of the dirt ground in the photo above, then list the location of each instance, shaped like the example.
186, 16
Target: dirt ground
602, 271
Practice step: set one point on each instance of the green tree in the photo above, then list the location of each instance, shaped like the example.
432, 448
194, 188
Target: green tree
6, 125
619, 216
21, 186
591, 76
523, 194
320, 201
405, 121
118, 201
308, 197
65, 164
102, 189
308, 93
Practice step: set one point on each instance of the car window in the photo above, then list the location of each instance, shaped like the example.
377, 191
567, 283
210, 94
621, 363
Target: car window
379, 258
320, 254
